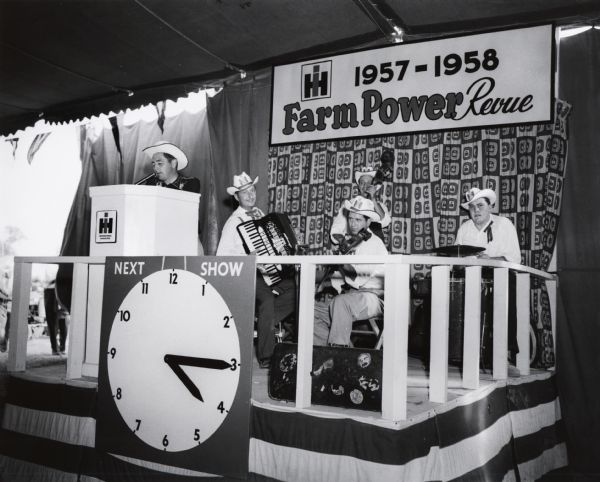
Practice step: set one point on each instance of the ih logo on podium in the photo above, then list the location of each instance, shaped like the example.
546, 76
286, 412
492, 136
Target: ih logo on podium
316, 80
106, 226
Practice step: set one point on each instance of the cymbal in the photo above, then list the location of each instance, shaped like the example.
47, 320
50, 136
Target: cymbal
458, 250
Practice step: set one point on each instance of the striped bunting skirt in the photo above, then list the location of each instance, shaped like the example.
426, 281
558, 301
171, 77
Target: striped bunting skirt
506, 431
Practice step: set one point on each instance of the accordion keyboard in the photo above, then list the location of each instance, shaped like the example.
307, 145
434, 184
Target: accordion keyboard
269, 236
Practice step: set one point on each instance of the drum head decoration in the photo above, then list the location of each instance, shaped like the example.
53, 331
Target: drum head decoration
458, 250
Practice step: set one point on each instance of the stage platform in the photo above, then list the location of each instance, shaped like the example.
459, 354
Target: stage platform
505, 430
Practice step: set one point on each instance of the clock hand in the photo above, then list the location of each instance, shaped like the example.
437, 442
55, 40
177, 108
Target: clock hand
177, 361
192, 361
183, 377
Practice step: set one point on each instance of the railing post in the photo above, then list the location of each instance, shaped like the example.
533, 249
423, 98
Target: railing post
523, 317
306, 312
395, 353
19, 330
500, 323
438, 358
77, 329
472, 327
91, 357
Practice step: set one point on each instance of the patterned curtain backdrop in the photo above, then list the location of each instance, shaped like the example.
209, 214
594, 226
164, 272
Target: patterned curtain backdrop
523, 164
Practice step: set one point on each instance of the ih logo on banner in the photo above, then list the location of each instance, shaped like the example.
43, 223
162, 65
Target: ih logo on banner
106, 226
316, 81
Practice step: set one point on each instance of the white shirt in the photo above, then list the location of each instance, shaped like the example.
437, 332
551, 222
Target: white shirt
505, 240
369, 276
231, 243
340, 223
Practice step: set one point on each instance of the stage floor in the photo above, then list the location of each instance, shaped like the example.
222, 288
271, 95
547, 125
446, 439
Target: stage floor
48, 369
502, 429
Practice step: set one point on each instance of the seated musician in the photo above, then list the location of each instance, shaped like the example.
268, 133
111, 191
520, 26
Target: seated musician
369, 182
498, 236
167, 161
361, 295
274, 303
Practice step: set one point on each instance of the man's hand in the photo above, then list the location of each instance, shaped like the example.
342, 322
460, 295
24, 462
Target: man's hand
487, 256
337, 238
372, 191
348, 270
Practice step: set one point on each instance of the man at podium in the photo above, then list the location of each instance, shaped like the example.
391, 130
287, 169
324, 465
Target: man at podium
167, 161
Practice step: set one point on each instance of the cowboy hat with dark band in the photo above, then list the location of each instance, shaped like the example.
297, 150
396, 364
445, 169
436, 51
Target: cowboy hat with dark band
241, 182
475, 193
171, 149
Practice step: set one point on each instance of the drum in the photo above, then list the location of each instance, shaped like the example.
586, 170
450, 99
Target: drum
341, 377
419, 331
456, 321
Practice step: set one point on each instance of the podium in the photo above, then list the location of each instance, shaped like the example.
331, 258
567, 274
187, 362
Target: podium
129, 220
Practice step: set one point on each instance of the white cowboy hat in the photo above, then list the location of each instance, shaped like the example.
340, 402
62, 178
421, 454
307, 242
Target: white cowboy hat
241, 182
362, 205
364, 171
168, 148
475, 193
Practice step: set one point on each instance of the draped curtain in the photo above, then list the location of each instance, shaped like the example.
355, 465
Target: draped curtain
230, 136
105, 163
524, 165
578, 320
238, 119
309, 182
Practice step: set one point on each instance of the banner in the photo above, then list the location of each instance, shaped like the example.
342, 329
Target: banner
495, 78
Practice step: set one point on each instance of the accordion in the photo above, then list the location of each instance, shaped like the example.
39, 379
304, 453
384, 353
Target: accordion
271, 235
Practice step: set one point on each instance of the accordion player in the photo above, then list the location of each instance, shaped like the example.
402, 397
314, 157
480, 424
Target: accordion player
271, 235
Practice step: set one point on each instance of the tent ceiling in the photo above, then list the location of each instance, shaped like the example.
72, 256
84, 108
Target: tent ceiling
68, 59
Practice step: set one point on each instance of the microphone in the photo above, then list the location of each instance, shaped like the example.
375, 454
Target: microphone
141, 181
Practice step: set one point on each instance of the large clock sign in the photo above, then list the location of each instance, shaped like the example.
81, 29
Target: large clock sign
175, 361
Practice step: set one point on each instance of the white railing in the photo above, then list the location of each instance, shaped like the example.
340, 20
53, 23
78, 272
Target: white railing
86, 310
86, 304
396, 322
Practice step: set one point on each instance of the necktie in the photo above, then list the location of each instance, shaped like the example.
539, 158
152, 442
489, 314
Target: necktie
488, 231
254, 213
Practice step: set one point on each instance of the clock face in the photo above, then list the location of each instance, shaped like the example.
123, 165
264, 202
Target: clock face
173, 360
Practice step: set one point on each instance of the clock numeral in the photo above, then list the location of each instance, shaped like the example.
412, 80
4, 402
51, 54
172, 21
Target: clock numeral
124, 315
203, 288
112, 352
144, 288
197, 435
173, 278
234, 364
118, 395
226, 320
165, 441
138, 422
221, 408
